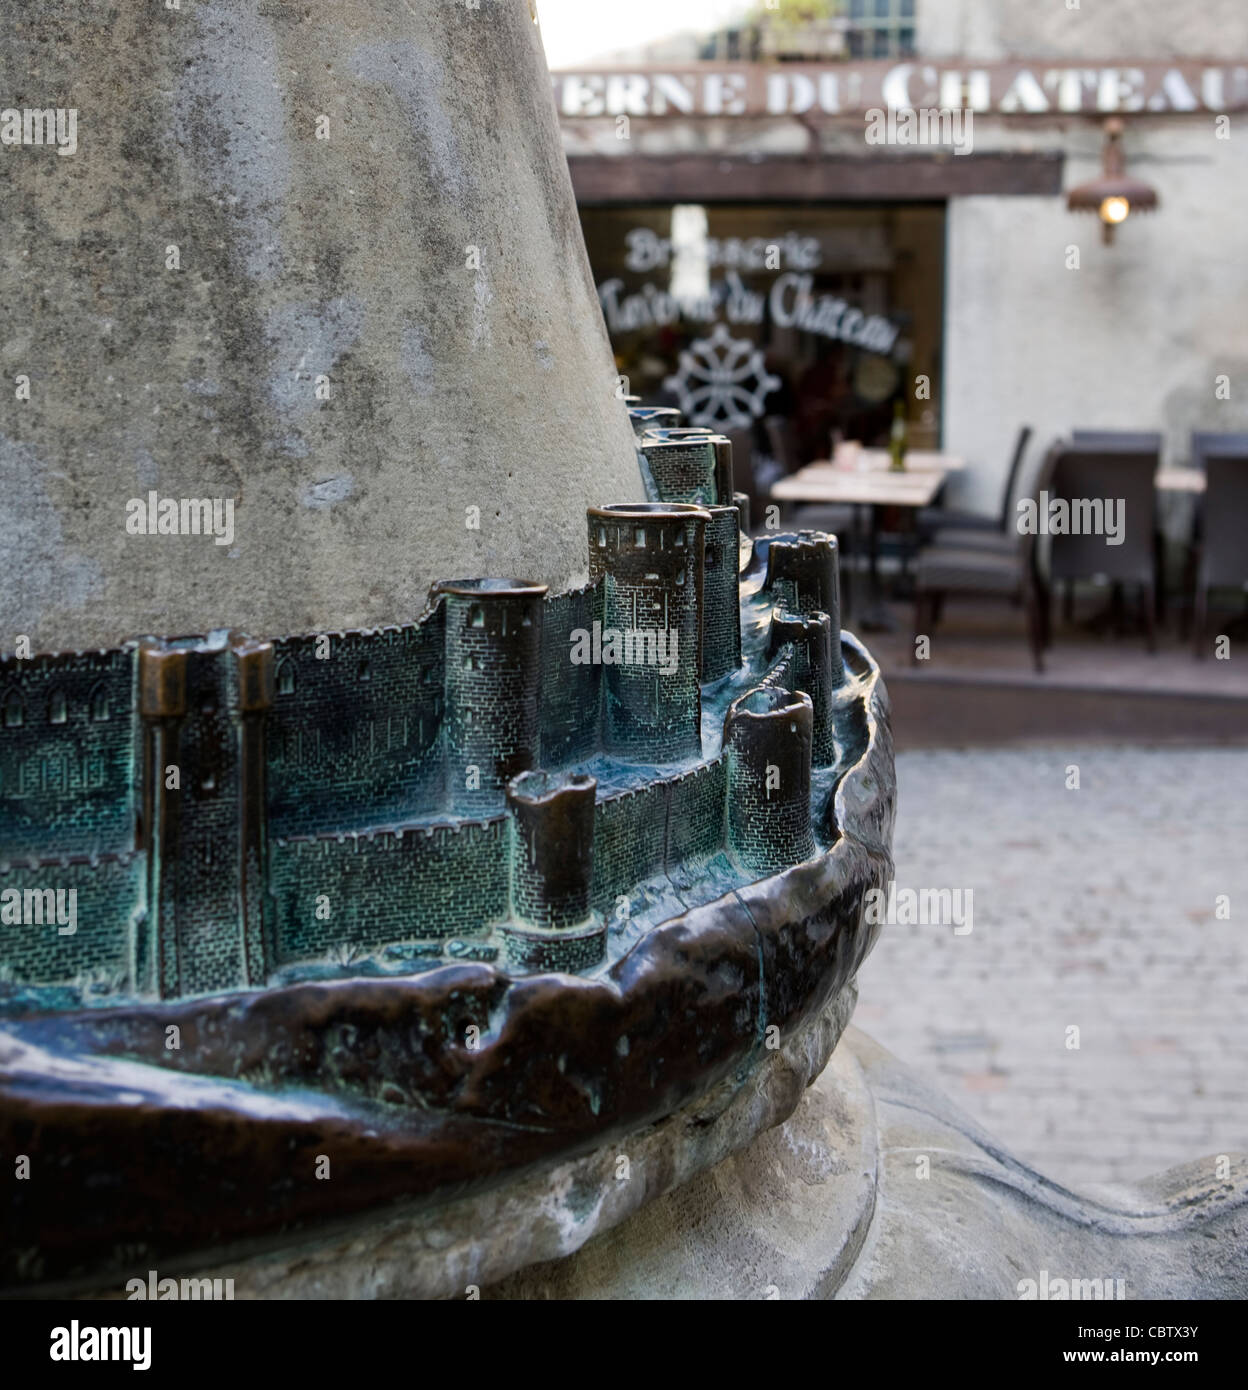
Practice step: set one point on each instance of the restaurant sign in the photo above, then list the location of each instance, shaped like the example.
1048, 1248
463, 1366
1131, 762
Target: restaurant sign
832, 89
789, 302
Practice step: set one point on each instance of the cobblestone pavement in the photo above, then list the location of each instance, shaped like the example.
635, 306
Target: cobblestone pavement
1094, 908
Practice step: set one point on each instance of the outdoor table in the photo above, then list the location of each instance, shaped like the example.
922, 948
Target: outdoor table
854, 459
869, 483
863, 479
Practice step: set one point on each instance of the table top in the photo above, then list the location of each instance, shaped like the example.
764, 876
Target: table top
854, 458
908, 489
871, 482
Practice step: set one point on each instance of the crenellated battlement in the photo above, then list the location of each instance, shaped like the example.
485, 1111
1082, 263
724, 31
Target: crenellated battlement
399, 838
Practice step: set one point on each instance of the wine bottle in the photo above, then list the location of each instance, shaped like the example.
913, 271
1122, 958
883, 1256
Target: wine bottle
898, 438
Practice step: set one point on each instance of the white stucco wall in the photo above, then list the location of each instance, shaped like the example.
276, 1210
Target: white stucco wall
1132, 339
1097, 31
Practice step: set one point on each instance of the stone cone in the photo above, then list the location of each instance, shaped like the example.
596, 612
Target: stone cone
322, 262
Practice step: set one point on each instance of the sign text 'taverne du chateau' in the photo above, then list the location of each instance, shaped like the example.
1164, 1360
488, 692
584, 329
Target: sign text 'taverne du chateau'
792, 89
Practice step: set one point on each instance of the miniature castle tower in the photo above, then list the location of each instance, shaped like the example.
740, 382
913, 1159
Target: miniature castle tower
651, 558
721, 594
682, 469
552, 861
493, 681
803, 575
695, 466
812, 639
203, 701
767, 742
647, 417
679, 458
725, 485
551, 871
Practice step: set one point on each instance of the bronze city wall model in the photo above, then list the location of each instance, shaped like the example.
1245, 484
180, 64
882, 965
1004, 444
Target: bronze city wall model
436, 902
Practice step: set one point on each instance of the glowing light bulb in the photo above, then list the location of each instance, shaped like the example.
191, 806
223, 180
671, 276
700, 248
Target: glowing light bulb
1115, 210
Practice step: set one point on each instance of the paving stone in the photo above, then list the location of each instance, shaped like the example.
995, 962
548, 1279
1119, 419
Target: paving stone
1093, 907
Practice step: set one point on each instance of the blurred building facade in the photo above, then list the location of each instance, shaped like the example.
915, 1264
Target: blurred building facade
773, 233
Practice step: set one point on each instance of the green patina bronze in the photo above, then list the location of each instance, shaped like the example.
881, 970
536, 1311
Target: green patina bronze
514, 776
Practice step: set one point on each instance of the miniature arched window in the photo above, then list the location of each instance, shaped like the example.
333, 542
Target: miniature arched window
98, 703
58, 707
285, 678
602, 537
366, 673
14, 711
639, 537
476, 616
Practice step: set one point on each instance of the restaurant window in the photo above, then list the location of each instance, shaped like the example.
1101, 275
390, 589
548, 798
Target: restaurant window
798, 322
881, 29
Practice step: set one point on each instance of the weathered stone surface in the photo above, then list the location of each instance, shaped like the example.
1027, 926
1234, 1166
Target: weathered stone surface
984, 1222
831, 1204
422, 264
